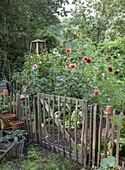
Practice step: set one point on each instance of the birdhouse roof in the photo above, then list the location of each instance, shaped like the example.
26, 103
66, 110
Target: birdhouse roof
38, 40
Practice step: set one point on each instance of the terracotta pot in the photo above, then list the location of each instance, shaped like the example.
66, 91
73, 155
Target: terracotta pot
22, 97
16, 125
7, 119
5, 92
109, 110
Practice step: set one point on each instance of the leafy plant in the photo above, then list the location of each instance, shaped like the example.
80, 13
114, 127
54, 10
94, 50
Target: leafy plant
32, 154
107, 163
18, 133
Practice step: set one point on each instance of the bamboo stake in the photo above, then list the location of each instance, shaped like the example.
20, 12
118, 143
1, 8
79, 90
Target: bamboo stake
106, 135
76, 111
58, 123
64, 127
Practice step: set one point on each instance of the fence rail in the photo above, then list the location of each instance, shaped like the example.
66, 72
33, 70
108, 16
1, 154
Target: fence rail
68, 126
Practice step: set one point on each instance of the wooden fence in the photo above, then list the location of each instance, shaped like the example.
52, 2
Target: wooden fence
68, 126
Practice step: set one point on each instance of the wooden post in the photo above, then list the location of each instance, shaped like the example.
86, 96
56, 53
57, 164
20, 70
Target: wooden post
53, 122
26, 115
100, 137
64, 126
118, 137
70, 128
113, 127
106, 135
76, 111
85, 133
58, 123
35, 118
91, 136
39, 117
49, 119
30, 120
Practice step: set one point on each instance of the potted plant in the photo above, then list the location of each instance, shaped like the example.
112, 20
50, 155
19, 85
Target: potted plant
4, 115
16, 125
7, 141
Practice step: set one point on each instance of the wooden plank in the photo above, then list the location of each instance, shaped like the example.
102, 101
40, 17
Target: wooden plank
64, 113
13, 103
58, 122
70, 128
10, 102
91, 136
113, 128
85, 133
94, 135
27, 123
100, 138
17, 105
106, 135
118, 137
39, 117
76, 112
30, 121
44, 121
53, 121
49, 118
35, 118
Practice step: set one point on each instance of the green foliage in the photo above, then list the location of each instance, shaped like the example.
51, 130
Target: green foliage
107, 163
32, 154
18, 133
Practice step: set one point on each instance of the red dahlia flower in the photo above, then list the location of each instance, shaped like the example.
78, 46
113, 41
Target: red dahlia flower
109, 57
88, 61
96, 92
106, 59
68, 51
72, 65
110, 69
116, 72
86, 58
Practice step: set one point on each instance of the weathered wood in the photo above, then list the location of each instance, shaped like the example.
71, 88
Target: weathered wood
53, 121
118, 137
63, 98
106, 135
76, 111
58, 122
85, 133
49, 118
94, 135
91, 136
30, 121
44, 121
10, 102
13, 103
64, 113
39, 117
35, 118
26, 115
61, 126
17, 105
70, 128
113, 128
100, 137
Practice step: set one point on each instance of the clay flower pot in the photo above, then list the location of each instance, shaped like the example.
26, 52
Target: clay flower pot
5, 92
109, 110
7, 118
22, 97
16, 125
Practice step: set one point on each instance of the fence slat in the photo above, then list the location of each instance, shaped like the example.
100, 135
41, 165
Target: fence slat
64, 113
53, 122
106, 135
76, 111
39, 117
30, 120
85, 133
118, 137
58, 123
49, 119
100, 137
70, 128
26, 115
44, 121
113, 127
35, 118
10, 102
17, 105
91, 135
13, 103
